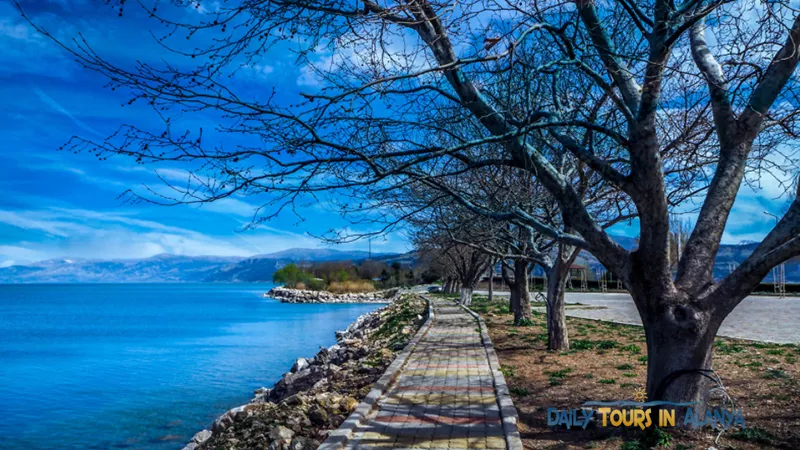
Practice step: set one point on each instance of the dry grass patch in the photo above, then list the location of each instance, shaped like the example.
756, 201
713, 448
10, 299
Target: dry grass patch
351, 287
609, 361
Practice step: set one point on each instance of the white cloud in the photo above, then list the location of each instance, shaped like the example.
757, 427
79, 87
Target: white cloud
57, 107
79, 233
204, 7
259, 71
19, 255
18, 31
309, 77
43, 222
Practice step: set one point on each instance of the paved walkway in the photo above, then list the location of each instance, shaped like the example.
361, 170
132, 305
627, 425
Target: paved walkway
446, 395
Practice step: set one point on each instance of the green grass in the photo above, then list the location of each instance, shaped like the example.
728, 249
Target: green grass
560, 373
525, 323
519, 392
632, 445
607, 381
642, 359
727, 349
633, 349
629, 375
755, 435
657, 437
508, 371
557, 377
775, 374
624, 367
752, 365
581, 344
607, 345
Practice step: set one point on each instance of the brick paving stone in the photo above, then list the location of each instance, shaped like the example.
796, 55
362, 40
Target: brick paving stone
443, 398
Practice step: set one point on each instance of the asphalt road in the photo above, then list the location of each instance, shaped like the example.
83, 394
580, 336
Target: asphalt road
759, 318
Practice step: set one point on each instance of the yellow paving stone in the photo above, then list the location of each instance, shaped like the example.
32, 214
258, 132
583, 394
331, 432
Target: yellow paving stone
458, 443
375, 436
447, 375
495, 442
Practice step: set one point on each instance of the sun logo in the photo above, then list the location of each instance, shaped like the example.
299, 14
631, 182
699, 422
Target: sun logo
639, 395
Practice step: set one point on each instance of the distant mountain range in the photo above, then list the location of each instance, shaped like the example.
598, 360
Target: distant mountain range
172, 268
259, 268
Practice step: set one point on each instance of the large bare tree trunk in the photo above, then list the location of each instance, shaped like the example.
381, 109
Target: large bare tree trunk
557, 338
522, 307
557, 275
679, 349
513, 298
466, 295
507, 279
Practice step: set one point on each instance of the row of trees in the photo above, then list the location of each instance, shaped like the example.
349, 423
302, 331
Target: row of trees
294, 277
523, 131
365, 275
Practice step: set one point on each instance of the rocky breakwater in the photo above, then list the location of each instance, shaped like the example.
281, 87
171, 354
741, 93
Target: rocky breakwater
287, 295
318, 394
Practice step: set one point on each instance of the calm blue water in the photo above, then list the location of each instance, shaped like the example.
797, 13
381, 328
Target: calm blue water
143, 366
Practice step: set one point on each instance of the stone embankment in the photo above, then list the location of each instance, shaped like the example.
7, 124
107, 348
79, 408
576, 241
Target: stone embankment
318, 394
287, 295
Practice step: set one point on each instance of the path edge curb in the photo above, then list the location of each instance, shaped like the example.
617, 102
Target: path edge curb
508, 412
338, 438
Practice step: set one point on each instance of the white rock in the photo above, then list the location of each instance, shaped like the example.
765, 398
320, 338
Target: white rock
281, 433
201, 436
299, 365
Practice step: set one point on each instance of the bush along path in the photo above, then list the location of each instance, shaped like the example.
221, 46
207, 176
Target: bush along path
319, 393
444, 392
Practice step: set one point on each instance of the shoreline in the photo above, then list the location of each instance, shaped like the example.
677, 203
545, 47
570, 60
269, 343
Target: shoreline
288, 295
318, 394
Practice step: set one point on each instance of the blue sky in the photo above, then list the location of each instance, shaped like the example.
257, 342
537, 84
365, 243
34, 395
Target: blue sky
57, 204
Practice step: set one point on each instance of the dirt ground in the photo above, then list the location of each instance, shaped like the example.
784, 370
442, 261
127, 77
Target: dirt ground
609, 361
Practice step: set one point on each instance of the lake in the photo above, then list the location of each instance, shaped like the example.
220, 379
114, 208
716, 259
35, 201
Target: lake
143, 366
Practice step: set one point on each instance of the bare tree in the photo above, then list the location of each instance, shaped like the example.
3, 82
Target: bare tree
465, 263
492, 265
637, 93
480, 193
